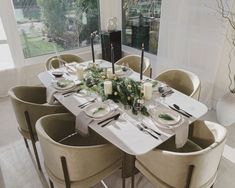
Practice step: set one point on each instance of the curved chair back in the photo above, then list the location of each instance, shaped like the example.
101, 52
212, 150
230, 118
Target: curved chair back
167, 168
88, 160
134, 63
33, 101
54, 62
182, 80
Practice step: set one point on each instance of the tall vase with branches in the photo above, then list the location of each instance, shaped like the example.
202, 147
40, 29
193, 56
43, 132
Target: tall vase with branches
225, 108
224, 9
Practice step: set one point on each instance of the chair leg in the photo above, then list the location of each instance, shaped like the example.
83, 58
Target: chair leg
51, 183
133, 173
26, 143
151, 72
66, 173
123, 171
32, 139
36, 155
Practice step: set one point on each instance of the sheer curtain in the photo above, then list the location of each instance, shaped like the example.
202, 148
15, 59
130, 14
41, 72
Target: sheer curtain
191, 37
14, 74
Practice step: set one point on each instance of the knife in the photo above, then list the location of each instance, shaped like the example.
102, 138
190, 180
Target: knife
115, 118
112, 117
179, 111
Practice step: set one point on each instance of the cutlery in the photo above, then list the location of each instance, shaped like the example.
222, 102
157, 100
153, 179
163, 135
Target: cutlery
114, 118
178, 108
186, 115
86, 103
66, 94
146, 131
167, 93
146, 127
108, 118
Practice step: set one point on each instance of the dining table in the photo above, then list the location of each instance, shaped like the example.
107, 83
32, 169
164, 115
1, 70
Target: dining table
125, 132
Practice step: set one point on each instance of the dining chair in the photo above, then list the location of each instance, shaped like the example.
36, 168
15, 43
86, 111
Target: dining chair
182, 80
29, 105
189, 167
134, 62
54, 62
74, 161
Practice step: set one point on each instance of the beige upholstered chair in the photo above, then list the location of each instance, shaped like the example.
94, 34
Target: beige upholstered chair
183, 81
190, 167
29, 104
53, 62
134, 63
77, 161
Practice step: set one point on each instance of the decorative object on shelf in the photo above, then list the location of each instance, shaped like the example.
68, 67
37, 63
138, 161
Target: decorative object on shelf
142, 62
112, 24
108, 38
93, 35
124, 90
225, 108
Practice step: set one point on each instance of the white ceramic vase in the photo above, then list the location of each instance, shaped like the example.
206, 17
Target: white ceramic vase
225, 109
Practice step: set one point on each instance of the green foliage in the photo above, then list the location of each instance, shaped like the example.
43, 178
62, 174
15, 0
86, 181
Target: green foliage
63, 20
166, 117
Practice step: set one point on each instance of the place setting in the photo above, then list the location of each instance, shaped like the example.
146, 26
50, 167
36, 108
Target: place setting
101, 113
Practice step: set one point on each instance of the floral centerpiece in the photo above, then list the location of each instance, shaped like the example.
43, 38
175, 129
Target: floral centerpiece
124, 90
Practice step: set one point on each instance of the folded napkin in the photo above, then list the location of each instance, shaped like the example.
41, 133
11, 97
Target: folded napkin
50, 91
181, 133
82, 122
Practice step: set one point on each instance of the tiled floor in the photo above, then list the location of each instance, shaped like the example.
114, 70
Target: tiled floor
17, 169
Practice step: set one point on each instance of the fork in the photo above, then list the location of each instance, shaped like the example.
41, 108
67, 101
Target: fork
146, 131
86, 103
146, 127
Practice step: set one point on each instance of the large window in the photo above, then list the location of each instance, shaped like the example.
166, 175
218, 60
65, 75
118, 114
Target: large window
5, 53
141, 20
46, 25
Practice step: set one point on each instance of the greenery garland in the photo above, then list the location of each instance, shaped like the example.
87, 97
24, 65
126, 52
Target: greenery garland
125, 90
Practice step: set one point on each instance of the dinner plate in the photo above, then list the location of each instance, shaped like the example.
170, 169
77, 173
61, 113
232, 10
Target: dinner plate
166, 118
122, 70
63, 84
97, 110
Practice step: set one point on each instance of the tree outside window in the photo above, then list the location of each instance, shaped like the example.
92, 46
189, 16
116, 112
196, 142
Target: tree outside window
66, 24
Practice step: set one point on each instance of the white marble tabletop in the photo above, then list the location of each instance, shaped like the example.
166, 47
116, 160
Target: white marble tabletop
126, 135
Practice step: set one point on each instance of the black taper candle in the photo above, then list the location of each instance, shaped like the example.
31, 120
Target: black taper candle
112, 58
142, 62
92, 47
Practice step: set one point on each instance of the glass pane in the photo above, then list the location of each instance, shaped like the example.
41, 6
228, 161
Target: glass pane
6, 61
2, 32
64, 24
141, 20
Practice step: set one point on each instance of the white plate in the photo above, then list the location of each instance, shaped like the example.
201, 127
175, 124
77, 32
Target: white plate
63, 84
91, 110
119, 71
166, 123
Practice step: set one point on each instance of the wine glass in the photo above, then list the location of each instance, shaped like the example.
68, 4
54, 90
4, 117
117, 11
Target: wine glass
138, 107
